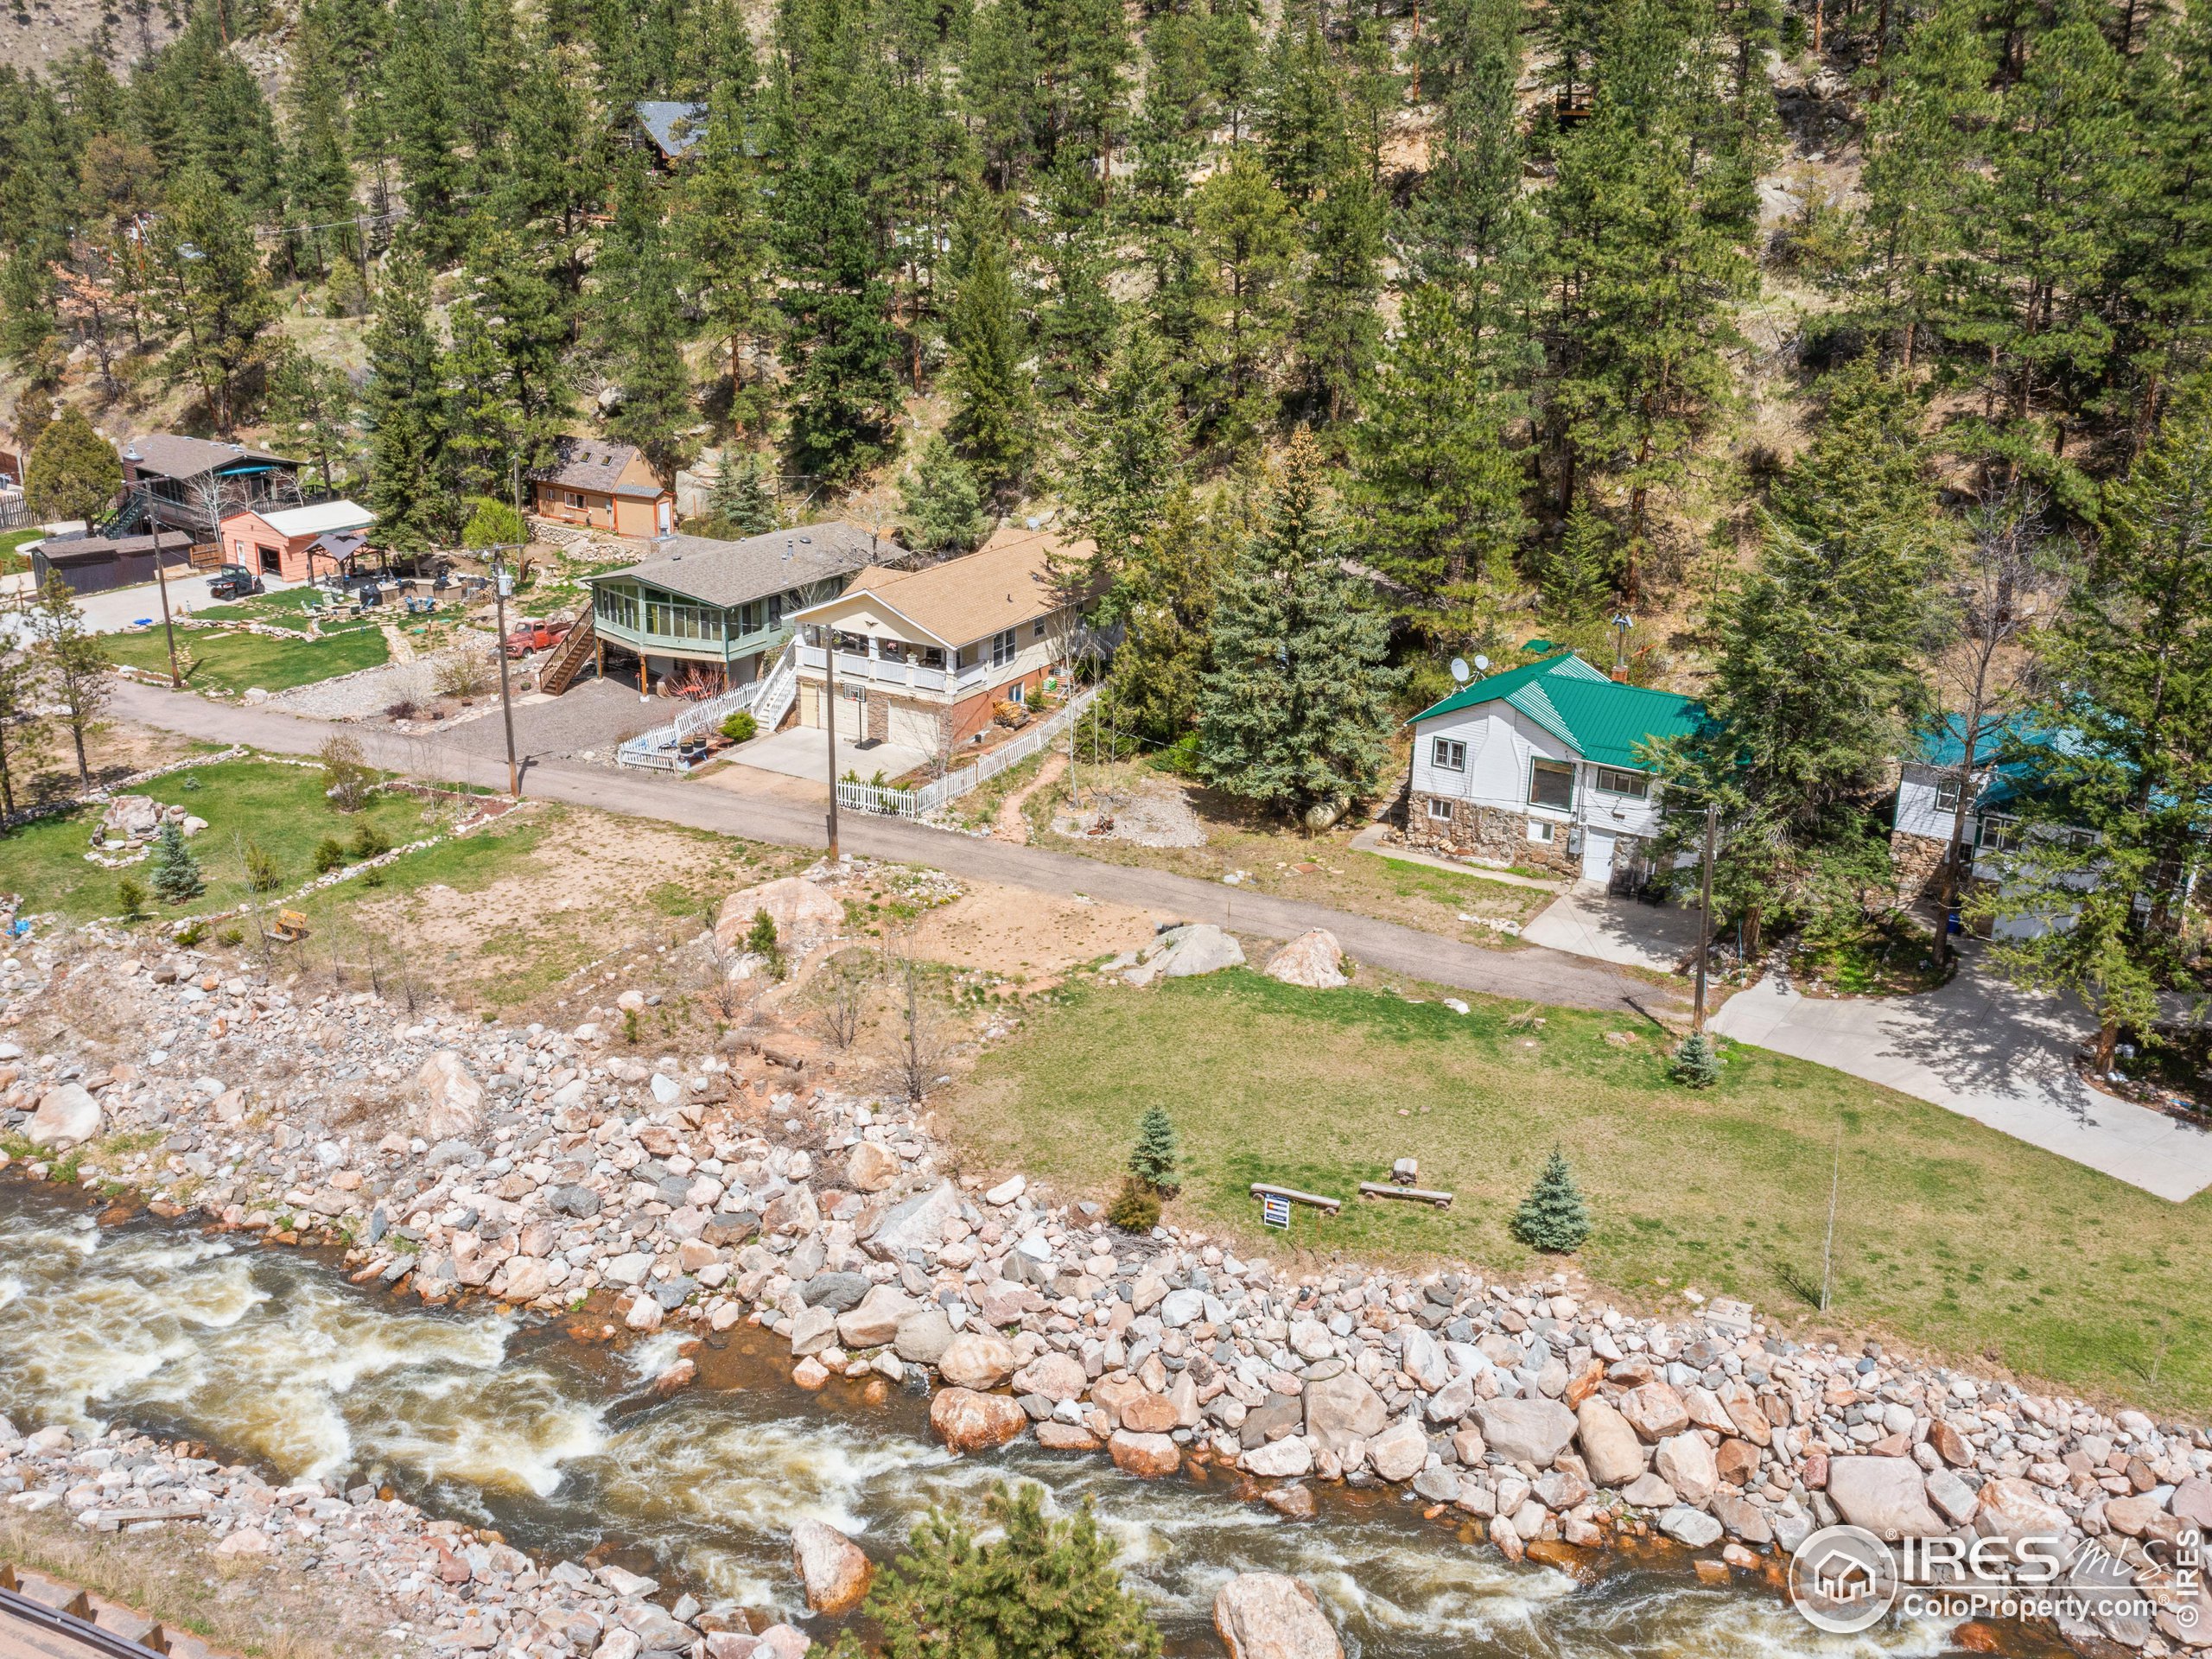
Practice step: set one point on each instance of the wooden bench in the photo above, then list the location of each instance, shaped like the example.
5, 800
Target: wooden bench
1261, 1190
291, 925
1416, 1194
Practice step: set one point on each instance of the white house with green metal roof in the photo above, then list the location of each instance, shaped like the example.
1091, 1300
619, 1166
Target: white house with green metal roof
1544, 765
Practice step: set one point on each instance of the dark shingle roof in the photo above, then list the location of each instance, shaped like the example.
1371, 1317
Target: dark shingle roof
734, 573
587, 464
167, 454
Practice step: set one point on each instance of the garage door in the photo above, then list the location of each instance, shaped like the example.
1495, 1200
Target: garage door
851, 714
915, 728
1597, 855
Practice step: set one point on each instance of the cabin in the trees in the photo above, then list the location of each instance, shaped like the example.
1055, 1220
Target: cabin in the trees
671, 129
594, 483
192, 484
1545, 765
714, 613
925, 657
272, 541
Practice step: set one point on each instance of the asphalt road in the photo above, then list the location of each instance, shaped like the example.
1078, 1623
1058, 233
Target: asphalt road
1538, 974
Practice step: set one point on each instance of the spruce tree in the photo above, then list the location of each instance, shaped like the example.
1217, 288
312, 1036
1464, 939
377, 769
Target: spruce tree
1164, 599
993, 418
177, 872
743, 500
405, 409
1696, 1062
1294, 712
72, 470
1156, 1156
942, 503
1553, 1217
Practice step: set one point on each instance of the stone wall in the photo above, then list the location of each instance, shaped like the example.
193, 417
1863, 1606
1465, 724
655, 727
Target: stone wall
1475, 831
1919, 865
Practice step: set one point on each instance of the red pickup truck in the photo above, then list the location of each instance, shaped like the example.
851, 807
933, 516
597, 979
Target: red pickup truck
535, 636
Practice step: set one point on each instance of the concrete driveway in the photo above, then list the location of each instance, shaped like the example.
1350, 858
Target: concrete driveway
1588, 921
1986, 1050
125, 607
799, 752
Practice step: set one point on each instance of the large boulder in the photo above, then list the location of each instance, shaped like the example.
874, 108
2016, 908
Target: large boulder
1058, 1376
449, 1098
1655, 1411
66, 1115
922, 1336
1271, 1615
1147, 1456
1342, 1408
1399, 1451
131, 817
870, 1168
1314, 959
2014, 1510
967, 1421
1201, 947
916, 1224
875, 1321
1525, 1431
1886, 1496
1610, 1447
977, 1359
1283, 1459
1685, 1463
832, 1567
804, 915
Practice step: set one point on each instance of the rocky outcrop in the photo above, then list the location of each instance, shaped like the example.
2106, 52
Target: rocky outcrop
1314, 959
450, 1098
1272, 1616
805, 914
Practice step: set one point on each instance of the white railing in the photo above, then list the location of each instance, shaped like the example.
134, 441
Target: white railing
912, 803
779, 687
662, 748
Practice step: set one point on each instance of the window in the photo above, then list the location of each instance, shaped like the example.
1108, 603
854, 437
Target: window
1037, 630
853, 644
1999, 834
1551, 783
1003, 646
616, 607
1439, 809
1448, 754
1014, 694
775, 610
1948, 791
1540, 831
892, 650
1613, 780
575, 497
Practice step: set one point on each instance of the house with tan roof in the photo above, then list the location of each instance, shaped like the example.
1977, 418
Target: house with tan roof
596, 484
924, 657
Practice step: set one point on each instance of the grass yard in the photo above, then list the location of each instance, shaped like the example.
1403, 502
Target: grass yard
279, 807
1950, 1236
288, 607
228, 664
12, 557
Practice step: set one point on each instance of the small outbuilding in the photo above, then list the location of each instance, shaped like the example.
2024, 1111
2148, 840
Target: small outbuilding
280, 541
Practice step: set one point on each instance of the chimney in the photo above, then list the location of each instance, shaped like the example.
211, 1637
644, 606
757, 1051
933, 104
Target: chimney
1620, 672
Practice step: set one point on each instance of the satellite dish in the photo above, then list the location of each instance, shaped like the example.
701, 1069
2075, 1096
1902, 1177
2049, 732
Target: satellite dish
1483, 663
1460, 670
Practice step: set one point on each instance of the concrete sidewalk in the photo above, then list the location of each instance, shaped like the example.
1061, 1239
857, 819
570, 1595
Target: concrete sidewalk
1982, 1048
1531, 975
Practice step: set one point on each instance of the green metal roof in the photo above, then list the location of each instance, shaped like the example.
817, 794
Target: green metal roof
1600, 719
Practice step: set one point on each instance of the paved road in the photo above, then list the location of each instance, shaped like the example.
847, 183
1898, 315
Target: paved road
1538, 974
1988, 1051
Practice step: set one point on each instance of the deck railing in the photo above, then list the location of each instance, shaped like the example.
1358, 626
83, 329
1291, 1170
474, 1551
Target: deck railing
913, 803
662, 748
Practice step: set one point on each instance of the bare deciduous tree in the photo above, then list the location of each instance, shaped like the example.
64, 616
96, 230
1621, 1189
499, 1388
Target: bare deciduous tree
916, 1046
845, 1000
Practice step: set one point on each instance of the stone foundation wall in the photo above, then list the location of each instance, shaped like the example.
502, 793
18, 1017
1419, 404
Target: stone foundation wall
1477, 831
1919, 865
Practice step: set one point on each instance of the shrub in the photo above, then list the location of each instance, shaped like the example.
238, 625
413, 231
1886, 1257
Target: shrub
233, 935
1552, 1217
492, 524
262, 874
1155, 1158
177, 872
402, 708
630, 1032
741, 728
329, 854
347, 779
462, 673
760, 939
190, 933
1045, 1589
369, 842
1135, 1208
1697, 1063
130, 894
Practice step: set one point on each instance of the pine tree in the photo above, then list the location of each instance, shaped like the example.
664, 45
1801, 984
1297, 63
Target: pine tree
1156, 1156
1435, 473
1577, 575
426, 123
23, 706
71, 664
405, 410
743, 500
841, 395
1553, 1217
210, 293
528, 313
1295, 714
1125, 445
1244, 245
993, 418
72, 470
640, 331
1337, 329
1165, 599
943, 503
311, 402
177, 872
483, 421
1696, 1062
725, 232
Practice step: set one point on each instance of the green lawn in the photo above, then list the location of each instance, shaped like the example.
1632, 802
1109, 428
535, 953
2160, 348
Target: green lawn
230, 662
11, 541
1950, 1235
281, 808
287, 608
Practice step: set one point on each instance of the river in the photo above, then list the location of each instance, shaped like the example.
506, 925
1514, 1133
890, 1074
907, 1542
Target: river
268, 1355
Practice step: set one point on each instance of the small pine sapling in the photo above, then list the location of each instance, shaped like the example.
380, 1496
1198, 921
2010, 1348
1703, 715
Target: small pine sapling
1135, 1208
130, 894
177, 872
1696, 1064
1552, 1217
1156, 1157
760, 939
329, 854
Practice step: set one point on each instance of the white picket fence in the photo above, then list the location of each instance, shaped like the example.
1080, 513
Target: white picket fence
913, 803
662, 748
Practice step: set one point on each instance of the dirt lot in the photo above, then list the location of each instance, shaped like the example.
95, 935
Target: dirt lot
1031, 939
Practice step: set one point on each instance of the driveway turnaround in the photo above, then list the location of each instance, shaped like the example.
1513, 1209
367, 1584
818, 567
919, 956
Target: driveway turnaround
803, 752
771, 816
1988, 1051
1588, 921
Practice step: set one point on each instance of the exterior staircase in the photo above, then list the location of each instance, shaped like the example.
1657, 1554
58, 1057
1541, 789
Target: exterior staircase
576, 649
779, 689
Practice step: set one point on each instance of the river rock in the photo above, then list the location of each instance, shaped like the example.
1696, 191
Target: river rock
803, 913
916, 1223
1273, 1616
449, 1098
1399, 1451
968, 1421
1692, 1527
1314, 959
1525, 1431
1201, 947
835, 1290
875, 1321
1655, 1411
977, 1359
815, 1329
1148, 1456
1886, 1496
1342, 1408
922, 1336
834, 1569
870, 1168
1610, 1447
1056, 1375
2011, 1509
529, 1277
1685, 1463
1149, 1414
1285, 1459
66, 1116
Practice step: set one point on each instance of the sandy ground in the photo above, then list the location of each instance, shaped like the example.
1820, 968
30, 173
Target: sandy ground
1018, 933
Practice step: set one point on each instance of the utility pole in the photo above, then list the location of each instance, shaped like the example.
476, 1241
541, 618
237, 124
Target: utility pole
1835, 1186
499, 580
829, 724
131, 456
1705, 917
